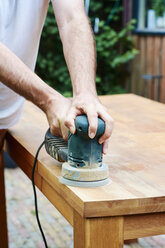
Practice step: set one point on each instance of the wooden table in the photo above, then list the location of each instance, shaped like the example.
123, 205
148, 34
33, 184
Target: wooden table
133, 205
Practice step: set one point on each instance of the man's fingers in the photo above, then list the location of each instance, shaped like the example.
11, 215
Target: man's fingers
70, 125
55, 128
64, 131
93, 123
59, 129
92, 119
92, 112
108, 127
105, 147
70, 121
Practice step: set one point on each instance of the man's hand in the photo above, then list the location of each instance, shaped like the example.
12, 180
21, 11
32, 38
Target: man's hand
61, 114
91, 106
56, 112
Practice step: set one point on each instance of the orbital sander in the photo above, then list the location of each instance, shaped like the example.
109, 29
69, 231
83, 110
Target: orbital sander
82, 156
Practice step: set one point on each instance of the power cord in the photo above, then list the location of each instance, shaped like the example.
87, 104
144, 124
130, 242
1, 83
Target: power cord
35, 194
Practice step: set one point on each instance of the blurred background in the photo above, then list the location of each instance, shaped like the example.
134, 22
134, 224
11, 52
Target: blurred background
130, 45
114, 43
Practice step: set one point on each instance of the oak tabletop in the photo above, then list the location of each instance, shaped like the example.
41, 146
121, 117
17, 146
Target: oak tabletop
136, 158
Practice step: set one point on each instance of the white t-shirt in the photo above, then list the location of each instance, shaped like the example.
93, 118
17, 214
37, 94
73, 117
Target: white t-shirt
21, 23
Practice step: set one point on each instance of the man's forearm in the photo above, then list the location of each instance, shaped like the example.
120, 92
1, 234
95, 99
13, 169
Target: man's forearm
17, 76
80, 55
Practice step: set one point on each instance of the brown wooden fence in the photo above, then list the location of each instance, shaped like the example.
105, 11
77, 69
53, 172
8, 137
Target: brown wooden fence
148, 68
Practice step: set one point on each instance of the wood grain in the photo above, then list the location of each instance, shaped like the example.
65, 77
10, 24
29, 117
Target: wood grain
162, 89
136, 159
144, 225
3, 219
58, 202
98, 232
25, 163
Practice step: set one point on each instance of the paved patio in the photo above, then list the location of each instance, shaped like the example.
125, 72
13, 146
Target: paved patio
23, 230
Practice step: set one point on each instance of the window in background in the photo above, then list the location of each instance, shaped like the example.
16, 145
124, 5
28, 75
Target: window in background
150, 15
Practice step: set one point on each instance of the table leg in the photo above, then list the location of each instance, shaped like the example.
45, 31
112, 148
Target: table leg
98, 232
130, 241
3, 219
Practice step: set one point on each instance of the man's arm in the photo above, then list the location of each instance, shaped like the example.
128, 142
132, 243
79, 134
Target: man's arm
79, 51
17, 76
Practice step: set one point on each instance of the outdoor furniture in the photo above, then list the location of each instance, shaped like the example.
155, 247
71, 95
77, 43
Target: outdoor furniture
133, 205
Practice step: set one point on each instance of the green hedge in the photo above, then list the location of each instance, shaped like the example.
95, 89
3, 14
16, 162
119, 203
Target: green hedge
114, 50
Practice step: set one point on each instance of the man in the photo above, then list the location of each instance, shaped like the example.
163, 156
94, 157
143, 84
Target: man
21, 24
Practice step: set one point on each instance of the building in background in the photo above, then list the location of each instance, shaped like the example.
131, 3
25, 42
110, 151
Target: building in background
148, 68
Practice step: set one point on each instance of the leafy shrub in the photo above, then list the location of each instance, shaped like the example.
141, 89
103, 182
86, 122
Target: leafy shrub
51, 66
114, 50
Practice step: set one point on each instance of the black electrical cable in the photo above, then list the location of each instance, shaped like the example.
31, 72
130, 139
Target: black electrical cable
35, 194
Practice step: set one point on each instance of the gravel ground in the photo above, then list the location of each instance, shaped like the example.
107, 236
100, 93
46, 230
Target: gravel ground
23, 230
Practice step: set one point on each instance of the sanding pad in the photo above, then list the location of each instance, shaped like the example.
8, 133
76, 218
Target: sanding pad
84, 177
85, 184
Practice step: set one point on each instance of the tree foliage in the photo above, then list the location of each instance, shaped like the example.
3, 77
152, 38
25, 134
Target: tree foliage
159, 7
114, 49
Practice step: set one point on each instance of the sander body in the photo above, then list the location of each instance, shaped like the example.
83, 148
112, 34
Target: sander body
82, 156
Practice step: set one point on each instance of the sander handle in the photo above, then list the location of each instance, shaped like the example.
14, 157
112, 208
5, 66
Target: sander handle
57, 147
82, 126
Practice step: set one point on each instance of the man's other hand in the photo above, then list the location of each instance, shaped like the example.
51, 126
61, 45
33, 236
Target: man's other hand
56, 112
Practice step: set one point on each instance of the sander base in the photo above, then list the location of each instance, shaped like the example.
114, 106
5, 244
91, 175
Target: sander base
84, 177
84, 184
